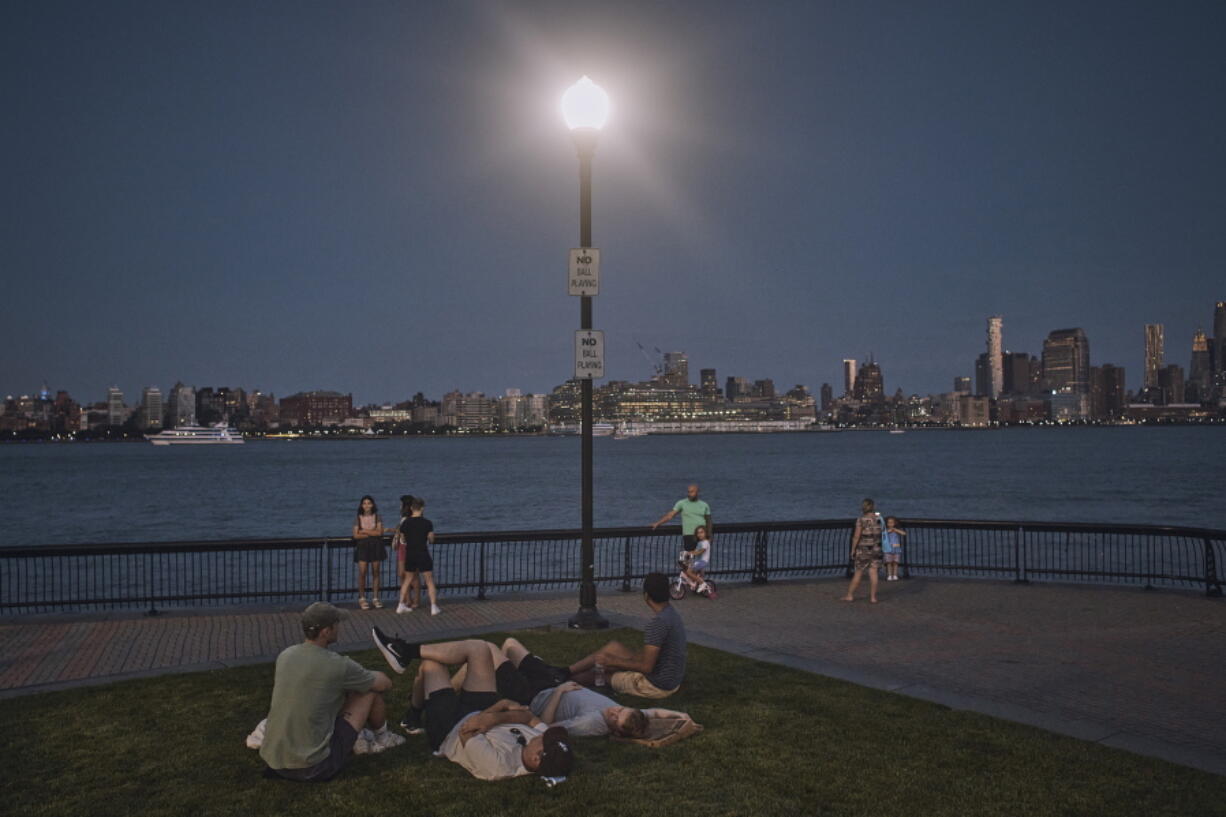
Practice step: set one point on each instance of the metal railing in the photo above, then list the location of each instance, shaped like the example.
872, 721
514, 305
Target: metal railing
158, 575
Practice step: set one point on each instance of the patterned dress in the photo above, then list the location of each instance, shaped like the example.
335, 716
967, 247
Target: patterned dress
868, 547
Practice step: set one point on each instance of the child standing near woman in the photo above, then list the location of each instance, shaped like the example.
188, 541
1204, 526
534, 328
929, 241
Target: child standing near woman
368, 549
891, 545
418, 534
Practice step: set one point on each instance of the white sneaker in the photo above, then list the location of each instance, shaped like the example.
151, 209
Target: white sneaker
403, 608
364, 745
434, 611
388, 739
256, 739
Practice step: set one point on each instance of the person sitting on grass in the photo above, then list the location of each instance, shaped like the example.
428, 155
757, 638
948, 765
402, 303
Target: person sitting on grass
321, 701
656, 671
525, 678
494, 738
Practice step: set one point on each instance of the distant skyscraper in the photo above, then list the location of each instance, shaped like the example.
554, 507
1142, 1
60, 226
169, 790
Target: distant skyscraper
1218, 349
116, 411
708, 383
827, 394
1017, 373
1107, 395
1200, 374
181, 408
983, 375
1170, 384
962, 385
676, 369
870, 385
737, 389
996, 374
849, 377
151, 407
763, 389
1153, 354
1066, 362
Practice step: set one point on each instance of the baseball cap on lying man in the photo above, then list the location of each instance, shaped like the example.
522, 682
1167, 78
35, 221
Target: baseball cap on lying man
556, 756
320, 615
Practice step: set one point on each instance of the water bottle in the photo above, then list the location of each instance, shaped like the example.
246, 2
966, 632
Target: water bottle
600, 675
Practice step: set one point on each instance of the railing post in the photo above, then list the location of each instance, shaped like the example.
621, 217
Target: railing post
759, 557
906, 564
481, 573
851, 560
1213, 585
325, 565
149, 556
627, 569
1019, 564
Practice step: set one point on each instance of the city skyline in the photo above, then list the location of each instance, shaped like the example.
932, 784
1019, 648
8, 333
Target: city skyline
304, 197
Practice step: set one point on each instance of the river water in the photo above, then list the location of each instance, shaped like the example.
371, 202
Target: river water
136, 492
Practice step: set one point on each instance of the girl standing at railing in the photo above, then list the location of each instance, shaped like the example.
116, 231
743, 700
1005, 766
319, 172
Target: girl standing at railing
368, 549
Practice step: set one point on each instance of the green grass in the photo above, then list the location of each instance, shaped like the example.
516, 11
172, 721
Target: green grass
777, 741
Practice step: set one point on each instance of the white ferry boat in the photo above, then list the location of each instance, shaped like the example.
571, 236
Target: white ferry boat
218, 434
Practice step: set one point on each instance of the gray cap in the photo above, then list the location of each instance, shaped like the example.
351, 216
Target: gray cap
321, 614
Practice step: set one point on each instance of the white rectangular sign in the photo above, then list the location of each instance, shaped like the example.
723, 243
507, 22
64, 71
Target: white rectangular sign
583, 272
589, 354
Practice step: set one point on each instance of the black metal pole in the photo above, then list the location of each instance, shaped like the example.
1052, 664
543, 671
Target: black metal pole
588, 617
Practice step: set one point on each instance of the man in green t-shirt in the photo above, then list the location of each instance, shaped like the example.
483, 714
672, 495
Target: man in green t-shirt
694, 512
321, 701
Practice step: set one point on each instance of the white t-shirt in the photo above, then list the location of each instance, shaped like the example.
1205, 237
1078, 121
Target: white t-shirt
493, 755
699, 549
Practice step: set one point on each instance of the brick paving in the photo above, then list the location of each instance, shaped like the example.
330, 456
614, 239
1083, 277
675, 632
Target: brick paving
1128, 668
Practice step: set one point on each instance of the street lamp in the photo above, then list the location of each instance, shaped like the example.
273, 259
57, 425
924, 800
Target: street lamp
585, 107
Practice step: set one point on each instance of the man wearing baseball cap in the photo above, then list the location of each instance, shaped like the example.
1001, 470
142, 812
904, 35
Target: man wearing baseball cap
493, 737
321, 701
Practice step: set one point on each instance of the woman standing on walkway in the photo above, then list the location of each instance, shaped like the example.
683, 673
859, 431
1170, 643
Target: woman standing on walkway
865, 551
368, 549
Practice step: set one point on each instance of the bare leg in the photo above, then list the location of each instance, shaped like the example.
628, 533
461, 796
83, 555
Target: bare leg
851, 589
428, 575
404, 589
362, 579
362, 708
419, 688
473, 652
374, 578
872, 585
583, 670
514, 651
414, 589
433, 677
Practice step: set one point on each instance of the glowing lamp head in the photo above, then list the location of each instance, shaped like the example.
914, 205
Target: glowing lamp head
585, 105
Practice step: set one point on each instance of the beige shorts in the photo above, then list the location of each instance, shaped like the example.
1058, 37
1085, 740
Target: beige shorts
636, 683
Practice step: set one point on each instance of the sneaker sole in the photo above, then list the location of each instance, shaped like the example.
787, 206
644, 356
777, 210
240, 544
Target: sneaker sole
388, 655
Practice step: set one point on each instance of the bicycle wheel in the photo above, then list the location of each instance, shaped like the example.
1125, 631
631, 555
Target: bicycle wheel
676, 589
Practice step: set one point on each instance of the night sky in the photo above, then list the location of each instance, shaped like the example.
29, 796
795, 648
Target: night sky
378, 198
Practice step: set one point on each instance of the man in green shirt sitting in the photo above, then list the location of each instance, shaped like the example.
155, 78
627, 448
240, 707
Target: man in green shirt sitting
321, 701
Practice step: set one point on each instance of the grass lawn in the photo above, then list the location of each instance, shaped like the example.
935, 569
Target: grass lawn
777, 742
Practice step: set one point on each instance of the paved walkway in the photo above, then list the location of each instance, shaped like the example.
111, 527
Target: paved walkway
1130, 669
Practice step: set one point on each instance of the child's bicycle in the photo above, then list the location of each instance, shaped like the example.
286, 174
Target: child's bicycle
681, 583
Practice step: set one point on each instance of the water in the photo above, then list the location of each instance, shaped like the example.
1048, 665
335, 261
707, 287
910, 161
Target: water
114, 492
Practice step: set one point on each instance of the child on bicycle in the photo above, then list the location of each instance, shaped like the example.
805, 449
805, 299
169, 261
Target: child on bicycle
696, 561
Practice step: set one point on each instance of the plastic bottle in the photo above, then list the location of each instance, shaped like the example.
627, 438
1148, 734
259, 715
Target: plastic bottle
600, 675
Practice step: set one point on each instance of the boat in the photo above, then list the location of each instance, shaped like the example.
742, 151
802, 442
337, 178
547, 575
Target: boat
897, 431
602, 429
626, 431
217, 434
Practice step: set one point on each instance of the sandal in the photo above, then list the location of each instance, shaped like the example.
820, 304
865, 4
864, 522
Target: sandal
377, 602
362, 603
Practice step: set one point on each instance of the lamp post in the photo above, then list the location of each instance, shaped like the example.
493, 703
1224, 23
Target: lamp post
585, 107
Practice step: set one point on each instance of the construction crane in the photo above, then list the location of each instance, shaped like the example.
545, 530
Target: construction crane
656, 363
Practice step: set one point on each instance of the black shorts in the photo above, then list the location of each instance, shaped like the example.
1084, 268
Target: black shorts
418, 561
689, 540
340, 747
524, 683
370, 549
444, 709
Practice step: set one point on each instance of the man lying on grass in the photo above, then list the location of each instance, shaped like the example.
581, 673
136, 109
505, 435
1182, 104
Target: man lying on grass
491, 736
525, 678
657, 670
320, 702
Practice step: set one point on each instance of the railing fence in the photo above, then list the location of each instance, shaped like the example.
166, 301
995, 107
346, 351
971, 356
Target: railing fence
154, 576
